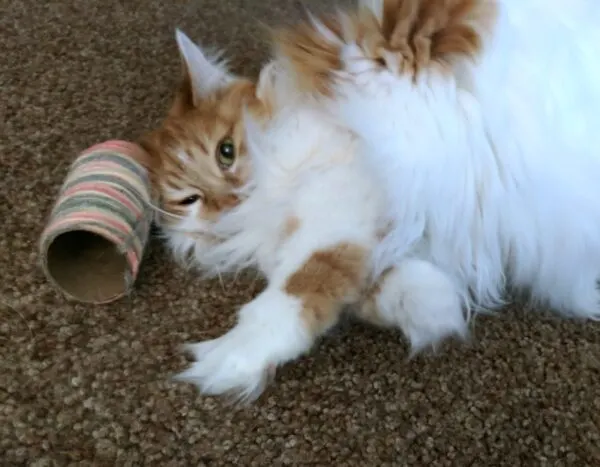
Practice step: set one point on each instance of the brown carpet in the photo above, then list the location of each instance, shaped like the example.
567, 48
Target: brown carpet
83, 385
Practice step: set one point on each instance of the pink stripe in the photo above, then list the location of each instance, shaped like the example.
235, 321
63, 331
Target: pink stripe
116, 145
133, 262
99, 166
104, 189
99, 217
96, 229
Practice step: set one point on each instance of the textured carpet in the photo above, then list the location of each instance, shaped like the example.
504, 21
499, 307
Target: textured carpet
84, 385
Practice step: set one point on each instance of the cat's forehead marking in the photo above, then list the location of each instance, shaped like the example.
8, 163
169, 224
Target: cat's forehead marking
183, 156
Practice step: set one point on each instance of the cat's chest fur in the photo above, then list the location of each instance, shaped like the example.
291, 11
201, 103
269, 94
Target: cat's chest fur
309, 181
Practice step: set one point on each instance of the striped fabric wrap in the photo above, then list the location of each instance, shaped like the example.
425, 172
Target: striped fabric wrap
106, 192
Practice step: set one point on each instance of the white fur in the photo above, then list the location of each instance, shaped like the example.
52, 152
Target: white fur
302, 167
419, 299
493, 175
269, 332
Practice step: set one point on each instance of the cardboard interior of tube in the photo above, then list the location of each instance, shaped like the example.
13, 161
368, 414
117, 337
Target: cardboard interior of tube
87, 267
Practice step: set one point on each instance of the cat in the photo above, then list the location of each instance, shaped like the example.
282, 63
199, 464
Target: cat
307, 219
423, 104
194, 190
219, 219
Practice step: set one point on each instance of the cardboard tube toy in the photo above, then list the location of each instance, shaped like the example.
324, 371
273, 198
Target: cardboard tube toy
96, 234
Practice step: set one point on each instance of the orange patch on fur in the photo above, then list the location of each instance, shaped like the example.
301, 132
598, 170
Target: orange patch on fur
426, 31
329, 279
310, 54
417, 33
292, 224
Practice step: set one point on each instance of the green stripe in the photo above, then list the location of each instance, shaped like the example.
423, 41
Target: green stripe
121, 159
84, 196
103, 203
122, 185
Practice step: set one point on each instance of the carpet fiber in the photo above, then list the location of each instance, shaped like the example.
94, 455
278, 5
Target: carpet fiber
84, 385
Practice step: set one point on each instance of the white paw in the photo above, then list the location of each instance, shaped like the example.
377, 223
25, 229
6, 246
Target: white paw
419, 299
270, 332
229, 365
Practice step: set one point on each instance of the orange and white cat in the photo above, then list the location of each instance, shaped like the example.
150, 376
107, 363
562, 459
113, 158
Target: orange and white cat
457, 128
242, 172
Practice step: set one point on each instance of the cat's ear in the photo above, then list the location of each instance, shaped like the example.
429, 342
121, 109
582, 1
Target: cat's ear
266, 89
254, 136
203, 73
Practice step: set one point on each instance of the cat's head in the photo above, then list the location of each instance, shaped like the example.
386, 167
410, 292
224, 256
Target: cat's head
198, 153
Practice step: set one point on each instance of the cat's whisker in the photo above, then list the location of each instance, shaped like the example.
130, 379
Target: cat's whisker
220, 276
236, 276
196, 231
166, 213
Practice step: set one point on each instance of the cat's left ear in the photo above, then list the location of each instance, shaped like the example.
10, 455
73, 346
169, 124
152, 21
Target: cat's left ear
203, 73
275, 87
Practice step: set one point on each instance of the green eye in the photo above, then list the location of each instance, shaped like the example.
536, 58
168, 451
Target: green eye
226, 153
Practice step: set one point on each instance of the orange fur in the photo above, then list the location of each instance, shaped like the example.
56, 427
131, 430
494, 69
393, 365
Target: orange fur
192, 129
417, 33
328, 277
312, 56
292, 224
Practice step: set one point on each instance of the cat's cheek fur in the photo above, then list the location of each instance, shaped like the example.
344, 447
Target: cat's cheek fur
186, 247
187, 238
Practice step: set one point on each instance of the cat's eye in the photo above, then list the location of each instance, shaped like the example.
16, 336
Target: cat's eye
226, 153
189, 200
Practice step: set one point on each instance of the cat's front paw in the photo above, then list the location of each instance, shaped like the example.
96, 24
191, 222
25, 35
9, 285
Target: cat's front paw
270, 332
228, 365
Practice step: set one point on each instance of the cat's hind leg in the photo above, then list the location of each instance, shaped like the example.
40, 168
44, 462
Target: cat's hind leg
572, 291
418, 298
559, 267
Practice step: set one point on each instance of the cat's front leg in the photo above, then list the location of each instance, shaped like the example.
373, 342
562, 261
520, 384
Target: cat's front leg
281, 324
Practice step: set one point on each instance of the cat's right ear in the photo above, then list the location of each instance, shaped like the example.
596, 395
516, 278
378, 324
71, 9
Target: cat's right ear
202, 73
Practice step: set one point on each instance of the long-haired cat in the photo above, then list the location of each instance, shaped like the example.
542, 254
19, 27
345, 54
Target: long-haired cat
478, 131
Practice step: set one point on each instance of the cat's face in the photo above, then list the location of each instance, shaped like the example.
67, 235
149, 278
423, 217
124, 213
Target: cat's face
198, 154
